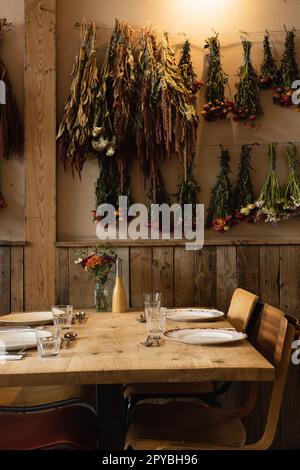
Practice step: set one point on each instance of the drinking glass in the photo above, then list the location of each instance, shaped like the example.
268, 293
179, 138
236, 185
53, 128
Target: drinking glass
48, 340
151, 301
156, 322
63, 316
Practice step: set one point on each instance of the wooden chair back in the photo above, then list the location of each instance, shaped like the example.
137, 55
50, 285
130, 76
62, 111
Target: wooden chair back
241, 308
274, 341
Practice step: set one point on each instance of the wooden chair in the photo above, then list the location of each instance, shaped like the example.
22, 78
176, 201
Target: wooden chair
62, 425
239, 314
189, 426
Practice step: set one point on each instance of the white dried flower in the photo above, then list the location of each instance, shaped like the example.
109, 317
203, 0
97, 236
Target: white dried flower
97, 131
110, 152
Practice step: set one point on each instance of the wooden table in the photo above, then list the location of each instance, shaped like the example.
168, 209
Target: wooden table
108, 353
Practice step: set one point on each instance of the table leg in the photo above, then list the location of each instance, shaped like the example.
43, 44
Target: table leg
111, 417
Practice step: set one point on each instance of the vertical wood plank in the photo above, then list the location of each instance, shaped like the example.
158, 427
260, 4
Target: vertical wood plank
140, 274
269, 274
62, 276
226, 276
123, 254
81, 286
4, 280
40, 153
248, 268
205, 277
184, 277
17, 279
290, 280
163, 274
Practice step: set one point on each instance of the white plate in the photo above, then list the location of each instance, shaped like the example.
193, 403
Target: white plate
194, 314
17, 340
27, 319
205, 335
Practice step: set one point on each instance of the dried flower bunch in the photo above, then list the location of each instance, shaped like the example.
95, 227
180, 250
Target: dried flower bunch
99, 263
269, 203
244, 195
217, 107
73, 139
268, 73
115, 104
288, 72
292, 190
221, 204
188, 190
187, 69
247, 99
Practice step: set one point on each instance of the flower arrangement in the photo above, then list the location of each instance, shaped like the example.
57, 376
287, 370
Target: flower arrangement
288, 72
98, 264
268, 73
292, 189
217, 107
269, 203
220, 210
247, 99
244, 196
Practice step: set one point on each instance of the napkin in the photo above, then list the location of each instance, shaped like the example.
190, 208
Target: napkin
10, 357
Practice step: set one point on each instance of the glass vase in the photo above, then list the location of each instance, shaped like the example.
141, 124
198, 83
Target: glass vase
101, 297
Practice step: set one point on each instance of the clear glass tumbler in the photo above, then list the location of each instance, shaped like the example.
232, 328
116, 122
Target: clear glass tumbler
62, 316
156, 322
48, 340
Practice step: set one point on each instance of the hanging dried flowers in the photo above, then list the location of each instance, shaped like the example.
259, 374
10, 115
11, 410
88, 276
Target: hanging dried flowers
292, 189
247, 99
268, 74
113, 119
3, 204
73, 139
217, 107
188, 190
157, 193
269, 203
244, 195
288, 72
11, 129
187, 70
221, 205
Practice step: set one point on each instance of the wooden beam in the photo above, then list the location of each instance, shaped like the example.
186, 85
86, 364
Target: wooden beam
40, 153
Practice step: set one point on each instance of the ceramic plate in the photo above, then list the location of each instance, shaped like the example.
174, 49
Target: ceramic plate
17, 340
194, 314
205, 335
27, 319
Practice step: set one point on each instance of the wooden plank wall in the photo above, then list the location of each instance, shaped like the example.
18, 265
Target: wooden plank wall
40, 153
11, 279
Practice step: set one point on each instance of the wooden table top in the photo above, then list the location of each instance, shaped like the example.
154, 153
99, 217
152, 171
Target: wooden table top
108, 351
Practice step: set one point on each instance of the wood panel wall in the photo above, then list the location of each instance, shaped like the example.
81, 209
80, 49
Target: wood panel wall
40, 152
205, 278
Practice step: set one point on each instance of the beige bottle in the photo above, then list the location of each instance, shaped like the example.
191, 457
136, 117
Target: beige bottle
119, 303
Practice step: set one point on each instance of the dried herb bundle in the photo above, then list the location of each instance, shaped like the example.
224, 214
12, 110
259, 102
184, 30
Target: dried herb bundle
187, 70
11, 129
247, 99
3, 204
188, 190
113, 120
157, 193
244, 195
288, 72
292, 190
221, 203
268, 74
177, 120
269, 202
73, 139
216, 107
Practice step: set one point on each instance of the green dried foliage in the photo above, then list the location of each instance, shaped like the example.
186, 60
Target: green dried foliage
187, 70
289, 71
188, 189
268, 74
269, 202
221, 203
244, 194
73, 139
247, 99
217, 79
292, 189
157, 193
